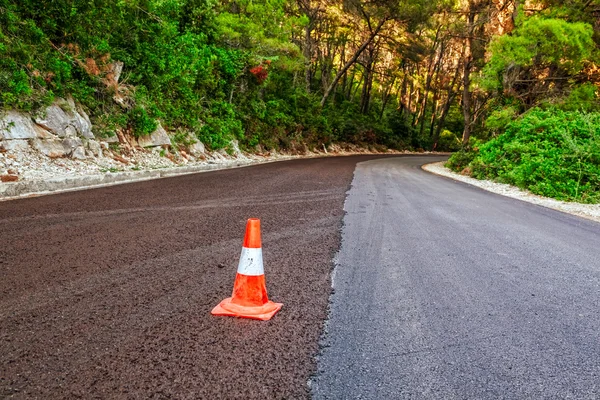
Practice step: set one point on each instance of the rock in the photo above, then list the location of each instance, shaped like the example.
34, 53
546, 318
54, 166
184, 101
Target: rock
235, 146
218, 155
197, 149
52, 148
17, 144
56, 120
83, 124
70, 102
9, 178
120, 159
14, 125
64, 120
70, 144
157, 138
110, 139
79, 153
95, 148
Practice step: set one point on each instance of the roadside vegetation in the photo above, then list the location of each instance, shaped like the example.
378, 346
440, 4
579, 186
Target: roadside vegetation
510, 85
540, 129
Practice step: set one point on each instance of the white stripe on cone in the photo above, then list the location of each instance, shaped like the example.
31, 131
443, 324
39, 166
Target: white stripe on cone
251, 262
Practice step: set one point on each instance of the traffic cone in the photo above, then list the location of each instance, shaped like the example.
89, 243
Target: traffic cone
249, 298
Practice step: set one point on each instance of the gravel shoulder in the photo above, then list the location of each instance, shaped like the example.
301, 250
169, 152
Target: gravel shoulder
589, 211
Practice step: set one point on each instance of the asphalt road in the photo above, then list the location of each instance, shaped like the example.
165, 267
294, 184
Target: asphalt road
445, 291
107, 293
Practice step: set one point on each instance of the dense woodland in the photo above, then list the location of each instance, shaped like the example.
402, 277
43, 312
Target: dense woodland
511, 85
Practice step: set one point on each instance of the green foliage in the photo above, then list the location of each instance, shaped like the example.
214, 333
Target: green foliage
460, 160
141, 122
549, 152
537, 60
221, 125
581, 98
449, 141
189, 64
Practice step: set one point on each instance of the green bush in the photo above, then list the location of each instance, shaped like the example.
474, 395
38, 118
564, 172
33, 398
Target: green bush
549, 152
461, 159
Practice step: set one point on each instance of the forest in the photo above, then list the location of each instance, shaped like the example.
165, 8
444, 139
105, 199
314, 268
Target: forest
510, 86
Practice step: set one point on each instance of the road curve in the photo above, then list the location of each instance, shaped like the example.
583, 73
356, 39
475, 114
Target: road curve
106, 293
445, 291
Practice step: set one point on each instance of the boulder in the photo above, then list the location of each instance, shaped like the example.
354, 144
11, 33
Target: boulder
70, 144
79, 153
56, 120
197, 149
94, 147
52, 148
110, 139
64, 119
83, 124
16, 144
157, 138
14, 125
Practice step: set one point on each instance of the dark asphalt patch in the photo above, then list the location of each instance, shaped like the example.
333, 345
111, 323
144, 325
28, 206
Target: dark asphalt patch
107, 293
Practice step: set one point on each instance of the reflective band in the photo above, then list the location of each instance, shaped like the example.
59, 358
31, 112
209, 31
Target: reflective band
251, 262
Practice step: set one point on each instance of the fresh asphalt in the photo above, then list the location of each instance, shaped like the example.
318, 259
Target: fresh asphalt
107, 293
445, 291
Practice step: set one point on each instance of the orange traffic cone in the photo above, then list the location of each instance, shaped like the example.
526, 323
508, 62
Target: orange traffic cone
249, 298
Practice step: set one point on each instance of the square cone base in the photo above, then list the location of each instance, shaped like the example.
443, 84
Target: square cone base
262, 313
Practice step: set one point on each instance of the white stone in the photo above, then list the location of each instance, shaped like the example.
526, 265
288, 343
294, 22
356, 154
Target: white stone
110, 139
95, 148
54, 119
83, 124
17, 144
52, 148
70, 144
235, 146
197, 149
157, 138
69, 123
14, 125
79, 153
70, 132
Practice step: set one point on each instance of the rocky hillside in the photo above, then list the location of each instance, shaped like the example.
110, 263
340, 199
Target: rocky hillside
61, 140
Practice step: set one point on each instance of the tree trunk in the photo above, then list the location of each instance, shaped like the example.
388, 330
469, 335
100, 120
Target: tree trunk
466, 99
451, 94
352, 60
386, 97
307, 56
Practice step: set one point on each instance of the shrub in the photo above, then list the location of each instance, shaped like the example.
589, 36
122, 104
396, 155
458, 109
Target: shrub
549, 152
461, 159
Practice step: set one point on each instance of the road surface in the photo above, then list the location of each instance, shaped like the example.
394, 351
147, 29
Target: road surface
107, 293
441, 290
445, 291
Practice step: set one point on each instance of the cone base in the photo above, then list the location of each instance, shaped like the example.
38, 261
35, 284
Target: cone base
262, 313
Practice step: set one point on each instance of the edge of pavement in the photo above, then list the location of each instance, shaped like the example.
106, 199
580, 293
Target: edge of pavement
588, 211
66, 183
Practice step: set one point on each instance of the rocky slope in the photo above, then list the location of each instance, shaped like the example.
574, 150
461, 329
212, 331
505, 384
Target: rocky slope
60, 141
